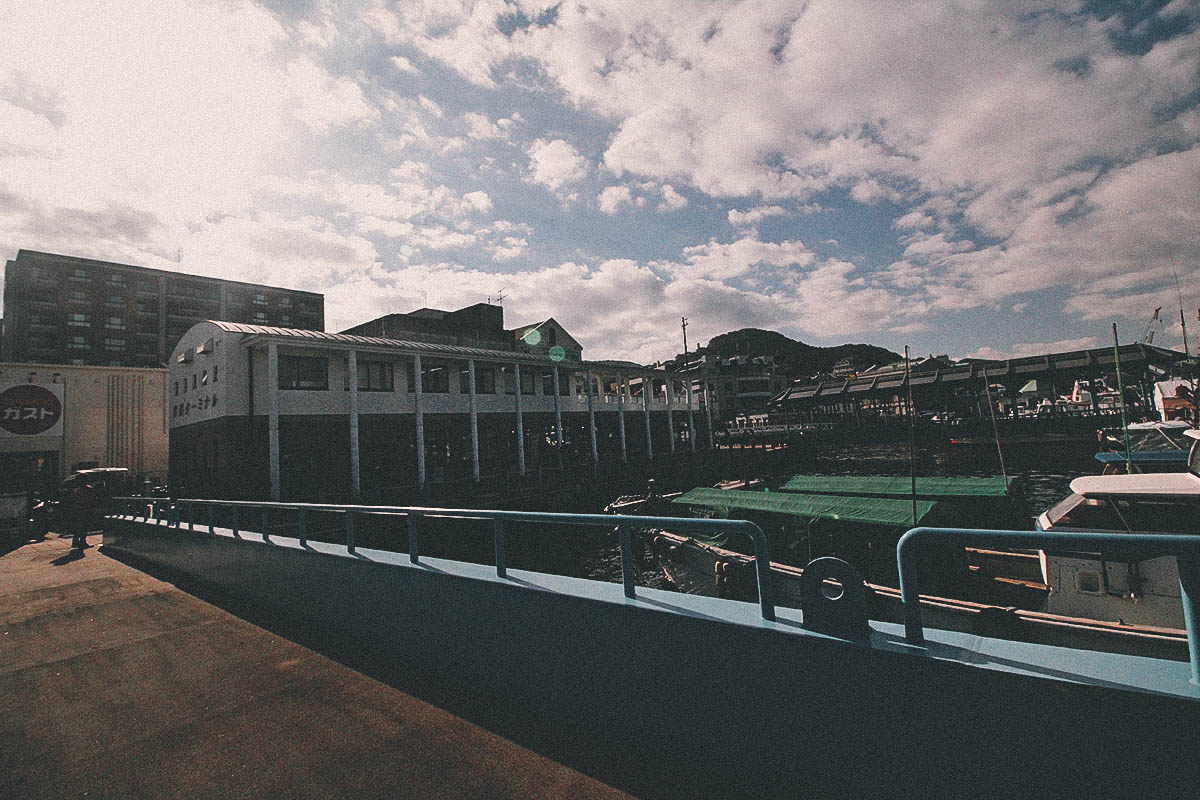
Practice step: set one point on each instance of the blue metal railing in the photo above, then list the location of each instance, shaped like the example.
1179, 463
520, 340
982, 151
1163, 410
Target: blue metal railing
624, 525
1185, 548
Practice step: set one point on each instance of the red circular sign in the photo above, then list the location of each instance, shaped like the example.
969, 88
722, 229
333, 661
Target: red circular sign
28, 410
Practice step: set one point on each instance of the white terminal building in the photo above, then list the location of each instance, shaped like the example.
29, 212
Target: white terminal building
259, 411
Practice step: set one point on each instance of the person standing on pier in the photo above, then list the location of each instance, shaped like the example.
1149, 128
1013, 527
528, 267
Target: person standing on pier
82, 501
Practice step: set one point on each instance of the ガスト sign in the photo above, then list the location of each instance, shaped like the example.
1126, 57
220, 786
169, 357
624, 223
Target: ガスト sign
29, 410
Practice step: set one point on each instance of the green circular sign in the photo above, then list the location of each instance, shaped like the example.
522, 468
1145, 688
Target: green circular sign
557, 353
533, 338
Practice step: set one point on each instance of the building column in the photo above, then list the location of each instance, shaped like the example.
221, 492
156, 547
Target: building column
647, 387
558, 418
355, 467
621, 415
591, 388
474, 422
691, 416
520, 419
273, 415
669, 388
420, 416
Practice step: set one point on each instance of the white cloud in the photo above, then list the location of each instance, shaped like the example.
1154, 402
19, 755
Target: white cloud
555, 163
753, 216
402, 64
480, 127
671, 199
613, 198
1024, 349
720, 261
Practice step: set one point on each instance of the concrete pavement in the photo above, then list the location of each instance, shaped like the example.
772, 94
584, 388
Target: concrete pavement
115, 684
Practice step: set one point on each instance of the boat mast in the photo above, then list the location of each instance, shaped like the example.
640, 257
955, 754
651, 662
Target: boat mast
1121, 394
987, 388
912, 436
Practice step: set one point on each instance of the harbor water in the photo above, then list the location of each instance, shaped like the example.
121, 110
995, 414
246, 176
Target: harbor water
1044, 471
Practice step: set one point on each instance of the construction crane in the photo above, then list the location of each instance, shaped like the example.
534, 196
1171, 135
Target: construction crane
1152, 327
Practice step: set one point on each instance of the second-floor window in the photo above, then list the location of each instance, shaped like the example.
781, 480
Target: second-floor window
435, 378
303, 372
373, 376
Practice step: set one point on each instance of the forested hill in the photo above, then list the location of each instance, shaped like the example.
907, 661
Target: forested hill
796, 359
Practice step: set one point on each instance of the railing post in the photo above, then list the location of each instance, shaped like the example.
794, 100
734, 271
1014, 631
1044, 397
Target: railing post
910, 598
414, 554
266, 523
762, 570
349, 531
191, 516
1189, 590
211, 527
627, 575
235, 522
498, 538
302, 525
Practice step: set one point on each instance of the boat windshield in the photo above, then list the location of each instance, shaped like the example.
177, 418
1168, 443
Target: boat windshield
1145, 515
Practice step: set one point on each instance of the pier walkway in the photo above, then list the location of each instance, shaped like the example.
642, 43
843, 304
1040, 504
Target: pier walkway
116, 684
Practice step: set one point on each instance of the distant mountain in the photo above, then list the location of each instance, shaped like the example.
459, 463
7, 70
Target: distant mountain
795, 359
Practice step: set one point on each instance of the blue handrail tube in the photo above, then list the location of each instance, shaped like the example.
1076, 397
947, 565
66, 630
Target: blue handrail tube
762, 554
1185, 548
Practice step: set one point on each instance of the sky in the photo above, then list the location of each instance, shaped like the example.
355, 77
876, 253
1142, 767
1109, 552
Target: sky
976, 178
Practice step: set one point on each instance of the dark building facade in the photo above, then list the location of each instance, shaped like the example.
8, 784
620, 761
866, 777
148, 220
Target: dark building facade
480, 325
69, 310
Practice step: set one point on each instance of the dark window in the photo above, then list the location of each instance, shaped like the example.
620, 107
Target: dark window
78, 343
373, 376
548, 383
115, 324
114, 344
303, 372
78, 296
564, 385
78, 320
177, 388
485, 380
553, 337
114, 301
527, 381
81, 276
216, 367
435, 378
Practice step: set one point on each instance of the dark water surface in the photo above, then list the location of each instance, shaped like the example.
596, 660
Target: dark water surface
1045, 470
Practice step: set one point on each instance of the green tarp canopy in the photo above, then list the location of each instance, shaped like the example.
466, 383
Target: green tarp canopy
897, 487
868, 510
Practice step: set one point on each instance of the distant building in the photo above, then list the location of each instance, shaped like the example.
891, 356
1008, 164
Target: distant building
740, 386
392, 407
68, 310
55, 419
480, 325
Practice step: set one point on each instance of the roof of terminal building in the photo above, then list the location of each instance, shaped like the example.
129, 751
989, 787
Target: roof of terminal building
261, 332
1029, 367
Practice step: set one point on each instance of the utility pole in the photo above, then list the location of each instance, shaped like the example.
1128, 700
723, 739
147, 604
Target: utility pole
685, 352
